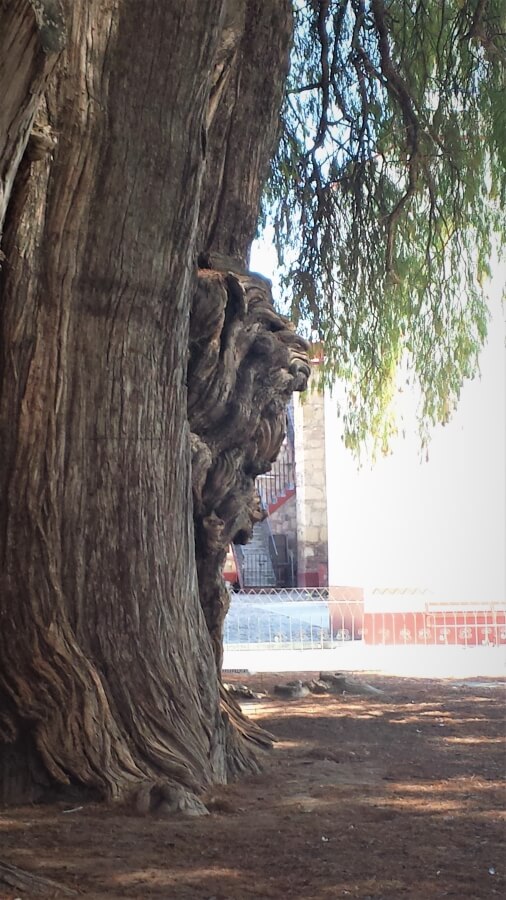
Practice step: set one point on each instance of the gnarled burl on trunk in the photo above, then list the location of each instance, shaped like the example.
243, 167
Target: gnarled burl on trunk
245, 363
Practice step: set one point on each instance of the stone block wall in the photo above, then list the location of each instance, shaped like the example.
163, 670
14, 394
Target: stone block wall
311, 494
284, 521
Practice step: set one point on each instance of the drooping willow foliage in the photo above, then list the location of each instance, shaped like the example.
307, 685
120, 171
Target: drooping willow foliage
388, 192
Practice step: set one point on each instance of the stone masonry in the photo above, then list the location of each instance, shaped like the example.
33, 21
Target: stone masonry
311, 494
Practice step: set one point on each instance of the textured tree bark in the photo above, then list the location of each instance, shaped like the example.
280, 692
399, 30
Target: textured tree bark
243, 123
107, 673
245, 362
31, 36
109, 659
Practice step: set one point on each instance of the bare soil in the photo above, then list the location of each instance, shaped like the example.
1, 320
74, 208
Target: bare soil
369, 797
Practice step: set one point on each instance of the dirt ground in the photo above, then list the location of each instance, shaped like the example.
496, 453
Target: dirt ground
376, 798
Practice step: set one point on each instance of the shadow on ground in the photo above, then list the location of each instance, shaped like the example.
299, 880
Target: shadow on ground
369, 798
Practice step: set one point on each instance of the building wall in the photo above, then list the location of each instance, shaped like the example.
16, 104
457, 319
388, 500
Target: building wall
311, 495
284, 521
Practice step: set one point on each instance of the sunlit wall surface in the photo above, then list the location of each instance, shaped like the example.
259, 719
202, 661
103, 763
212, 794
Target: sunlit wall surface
439, 524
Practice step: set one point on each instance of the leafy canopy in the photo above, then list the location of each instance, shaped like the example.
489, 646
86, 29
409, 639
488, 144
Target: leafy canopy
388, 192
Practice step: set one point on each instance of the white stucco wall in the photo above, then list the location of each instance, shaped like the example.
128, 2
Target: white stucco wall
441, 524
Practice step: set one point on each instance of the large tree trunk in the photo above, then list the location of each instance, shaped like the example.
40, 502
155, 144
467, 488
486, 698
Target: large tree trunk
109, 659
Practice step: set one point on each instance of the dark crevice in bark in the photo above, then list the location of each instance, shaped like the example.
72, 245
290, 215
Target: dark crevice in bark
244, 126
32, 34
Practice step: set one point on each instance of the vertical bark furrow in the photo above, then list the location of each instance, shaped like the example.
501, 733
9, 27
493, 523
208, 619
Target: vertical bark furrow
32, 33
245, 126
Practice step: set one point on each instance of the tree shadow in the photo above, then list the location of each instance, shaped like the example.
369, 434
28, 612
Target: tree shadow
361, 797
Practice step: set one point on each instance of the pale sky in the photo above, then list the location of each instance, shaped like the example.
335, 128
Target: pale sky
439, 524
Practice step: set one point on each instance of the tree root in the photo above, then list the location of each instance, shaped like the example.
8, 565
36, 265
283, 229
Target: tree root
22, 880
327, 683
245, 739
167, 799
340, 684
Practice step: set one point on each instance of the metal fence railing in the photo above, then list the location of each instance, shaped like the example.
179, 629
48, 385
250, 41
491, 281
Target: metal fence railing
280, 480
323, 618
257, 568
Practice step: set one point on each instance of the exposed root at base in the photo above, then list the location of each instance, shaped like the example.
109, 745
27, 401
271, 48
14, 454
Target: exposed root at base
22, 880
167, 800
